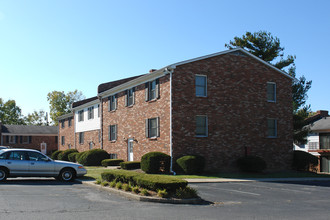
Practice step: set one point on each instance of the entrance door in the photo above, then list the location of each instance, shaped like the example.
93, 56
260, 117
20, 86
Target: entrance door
130, 149
43, 147
325, 164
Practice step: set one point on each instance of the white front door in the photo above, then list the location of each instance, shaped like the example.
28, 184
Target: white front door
130, 149
43, 147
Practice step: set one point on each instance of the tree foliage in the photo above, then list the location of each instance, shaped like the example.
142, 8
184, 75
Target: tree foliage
37, 118
267, 47
10, 113
60, 103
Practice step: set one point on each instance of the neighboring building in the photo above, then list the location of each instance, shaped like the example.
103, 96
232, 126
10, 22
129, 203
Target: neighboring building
318, 139
221, 106
42, 138
66, 132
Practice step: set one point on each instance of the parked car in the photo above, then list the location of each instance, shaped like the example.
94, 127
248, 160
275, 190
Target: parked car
32, 163
3, 147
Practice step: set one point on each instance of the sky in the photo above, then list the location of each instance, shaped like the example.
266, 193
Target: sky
67, 45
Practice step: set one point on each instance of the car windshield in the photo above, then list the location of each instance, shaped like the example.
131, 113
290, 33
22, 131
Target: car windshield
1, 151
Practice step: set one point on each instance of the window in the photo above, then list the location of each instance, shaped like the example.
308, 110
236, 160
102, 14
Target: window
201, 126
201, 85
81, 115
271, 92
271, 128
91, 144
152, 127
62, 140
35, 156
25, 140
112, 132
62, 123
70, 122
90, 112
113, 156
98, 110
152, 90
12, 139
324, 140
17, 155
112, 103
81, 138
130, 97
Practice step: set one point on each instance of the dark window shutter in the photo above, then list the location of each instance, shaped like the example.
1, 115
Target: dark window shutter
126, 94
116, 101
115, 132
147, 91
147, 128
157, 88
158, 126
21, 139
30, 139
109, 103
109, 133
16, 139
7, 139
133, 95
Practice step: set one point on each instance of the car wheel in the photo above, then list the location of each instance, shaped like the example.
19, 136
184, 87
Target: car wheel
3, 174
67, 175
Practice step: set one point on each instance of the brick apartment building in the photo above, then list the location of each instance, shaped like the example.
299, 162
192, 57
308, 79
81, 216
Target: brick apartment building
221, 106
42, 138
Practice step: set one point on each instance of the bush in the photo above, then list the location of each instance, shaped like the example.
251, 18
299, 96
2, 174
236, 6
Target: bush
186, 193
93, 157
131, 165
119, 185
104, 183
64, 154
72, 156
303, 160
162, 193
113, 184
111, 162
251, 164
136, 189
144, 192
127, 187
78, 155
191, 164
151, 182
55, 154
155, 162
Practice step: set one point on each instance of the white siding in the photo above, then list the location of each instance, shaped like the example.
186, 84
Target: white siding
312, 138
87, 124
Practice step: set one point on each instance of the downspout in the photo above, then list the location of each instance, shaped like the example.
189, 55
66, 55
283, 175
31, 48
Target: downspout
101, 120
171, 144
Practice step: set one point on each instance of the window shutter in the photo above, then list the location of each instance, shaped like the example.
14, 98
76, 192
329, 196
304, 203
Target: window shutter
158, 126
16, 139
133, 96
115, 132
109, 103
157, 89
30, 139
82, 137
126, 94
116, 101
109, 133
146, 91
147, 128
7, 139
21, 139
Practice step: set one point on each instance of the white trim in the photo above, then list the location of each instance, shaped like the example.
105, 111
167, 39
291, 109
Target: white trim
86, 105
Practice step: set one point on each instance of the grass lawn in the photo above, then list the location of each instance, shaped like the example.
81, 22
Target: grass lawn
95, 173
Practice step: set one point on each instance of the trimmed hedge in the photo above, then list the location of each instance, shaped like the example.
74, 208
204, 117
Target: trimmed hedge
251, 164
155, 162
55, 154
111, 162
78, 155
151, 182
93, 157
191, 164
72, 156
303, 160
130, 165
64, 155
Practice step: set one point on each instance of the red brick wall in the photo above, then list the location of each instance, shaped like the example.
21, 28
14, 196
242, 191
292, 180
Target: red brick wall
237, 111
89, 136
35, 143
131, 122
68, 133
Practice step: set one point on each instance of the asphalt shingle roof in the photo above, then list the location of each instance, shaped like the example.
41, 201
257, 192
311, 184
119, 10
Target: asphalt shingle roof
322, 124
29, 129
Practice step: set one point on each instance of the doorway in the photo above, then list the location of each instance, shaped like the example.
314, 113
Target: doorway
130, 149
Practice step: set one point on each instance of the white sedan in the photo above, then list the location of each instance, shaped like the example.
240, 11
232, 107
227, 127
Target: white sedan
32, 163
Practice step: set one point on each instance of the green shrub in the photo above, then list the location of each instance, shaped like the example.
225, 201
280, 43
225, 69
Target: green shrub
78, 155
104, 183
119, 185
72, 156
98, 182
151, 182
55, 154
251, 164
186, 193
93, 157
144, 192
155, 162
64, 154
162, 193
191, 164
111, 162
127, 187
113, 183
303, 160
131, 165
136, 189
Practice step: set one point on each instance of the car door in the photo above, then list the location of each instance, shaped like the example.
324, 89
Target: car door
17, 163
40, 165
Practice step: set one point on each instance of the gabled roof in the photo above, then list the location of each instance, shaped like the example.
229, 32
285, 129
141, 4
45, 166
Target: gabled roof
69, 115
322, 124
76, 104
109, 85
28, 130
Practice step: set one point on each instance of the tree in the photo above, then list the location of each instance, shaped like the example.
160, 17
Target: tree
263, 45
10, 113
60, 103
37, 118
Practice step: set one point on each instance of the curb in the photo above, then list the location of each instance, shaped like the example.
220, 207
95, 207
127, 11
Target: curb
143, 198
224, 180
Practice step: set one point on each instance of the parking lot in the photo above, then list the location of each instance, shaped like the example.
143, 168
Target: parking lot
50, 199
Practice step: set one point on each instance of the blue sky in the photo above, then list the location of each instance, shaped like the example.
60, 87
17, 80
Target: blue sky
66, 45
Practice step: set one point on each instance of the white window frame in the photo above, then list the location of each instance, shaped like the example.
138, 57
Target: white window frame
275, 128
112, 137
148, 127
112, 103
127, 97
80, 115
81, 137
12, 139
271, 100
90, 112
206, 126
198, 95
62, 140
